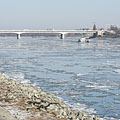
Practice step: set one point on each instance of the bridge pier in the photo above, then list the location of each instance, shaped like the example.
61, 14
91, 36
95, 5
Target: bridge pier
62, 36
18, 36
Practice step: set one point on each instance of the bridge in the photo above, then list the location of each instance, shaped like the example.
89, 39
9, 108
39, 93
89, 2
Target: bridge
61, 32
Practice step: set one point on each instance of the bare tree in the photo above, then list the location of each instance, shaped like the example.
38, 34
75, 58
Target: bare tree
115, 29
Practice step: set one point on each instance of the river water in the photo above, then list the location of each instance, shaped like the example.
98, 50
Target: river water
85, 75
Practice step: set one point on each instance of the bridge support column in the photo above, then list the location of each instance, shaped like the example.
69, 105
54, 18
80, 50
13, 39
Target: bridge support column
18, 36
62, 36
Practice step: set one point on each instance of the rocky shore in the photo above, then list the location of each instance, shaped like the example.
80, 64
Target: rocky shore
26, 102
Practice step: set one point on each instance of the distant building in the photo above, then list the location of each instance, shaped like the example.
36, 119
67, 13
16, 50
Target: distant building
94, 27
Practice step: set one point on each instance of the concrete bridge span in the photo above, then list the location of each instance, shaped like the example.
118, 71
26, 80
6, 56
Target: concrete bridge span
61, 32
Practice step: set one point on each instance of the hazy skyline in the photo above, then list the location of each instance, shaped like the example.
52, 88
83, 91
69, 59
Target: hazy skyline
58, 14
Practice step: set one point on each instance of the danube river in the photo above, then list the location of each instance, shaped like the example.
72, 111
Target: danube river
85, 75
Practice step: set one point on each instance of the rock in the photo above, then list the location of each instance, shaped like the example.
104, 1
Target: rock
33, 98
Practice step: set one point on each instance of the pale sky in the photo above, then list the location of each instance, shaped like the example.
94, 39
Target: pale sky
58, 14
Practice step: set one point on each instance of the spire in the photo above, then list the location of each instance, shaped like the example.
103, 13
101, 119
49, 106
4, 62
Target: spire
94, 27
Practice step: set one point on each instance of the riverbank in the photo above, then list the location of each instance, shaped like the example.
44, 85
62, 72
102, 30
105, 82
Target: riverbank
5, 115
107, 38
25, 102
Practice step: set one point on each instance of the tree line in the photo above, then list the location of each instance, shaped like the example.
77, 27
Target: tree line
115, 29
